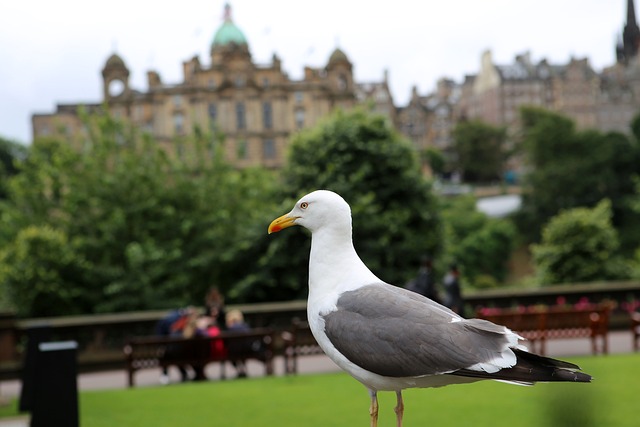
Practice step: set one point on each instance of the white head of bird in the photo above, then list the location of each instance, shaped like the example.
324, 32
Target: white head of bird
321, 209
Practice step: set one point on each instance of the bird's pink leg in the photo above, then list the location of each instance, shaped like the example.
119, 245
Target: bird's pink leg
399, 409
373, 409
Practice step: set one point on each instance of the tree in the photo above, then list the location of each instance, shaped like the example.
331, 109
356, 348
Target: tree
480, 245
634, 205
568, 169
578, 245
395, 217
435, 159
148, 228
480, 150
40, 273
10, 152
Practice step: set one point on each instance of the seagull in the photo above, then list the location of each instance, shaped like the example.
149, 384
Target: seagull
390, 338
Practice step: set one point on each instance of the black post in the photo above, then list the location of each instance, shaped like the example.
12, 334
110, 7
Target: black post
35, 336
56, 387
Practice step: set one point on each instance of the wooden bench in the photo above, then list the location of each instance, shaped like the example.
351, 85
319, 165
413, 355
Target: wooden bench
556, 323
155, 351
298, 341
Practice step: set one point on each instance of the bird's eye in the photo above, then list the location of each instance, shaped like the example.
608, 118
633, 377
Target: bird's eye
304, 205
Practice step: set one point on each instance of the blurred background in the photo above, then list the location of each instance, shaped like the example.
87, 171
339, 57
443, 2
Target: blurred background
490, 152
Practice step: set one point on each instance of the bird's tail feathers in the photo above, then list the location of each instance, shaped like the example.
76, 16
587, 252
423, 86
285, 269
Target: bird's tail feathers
531, 368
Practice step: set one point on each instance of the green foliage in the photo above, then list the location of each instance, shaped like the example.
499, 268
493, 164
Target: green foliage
146, 229
569, 169
395, 218
480, 149
577, 245
10, 152
40, 272
480, 245
634, 206
435, 159
635, 127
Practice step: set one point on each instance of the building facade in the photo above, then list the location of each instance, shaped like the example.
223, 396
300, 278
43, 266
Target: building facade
497, 92
256, 107
606, 101
428, 121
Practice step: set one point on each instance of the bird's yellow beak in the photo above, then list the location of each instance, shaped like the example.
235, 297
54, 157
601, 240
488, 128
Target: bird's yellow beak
285, 221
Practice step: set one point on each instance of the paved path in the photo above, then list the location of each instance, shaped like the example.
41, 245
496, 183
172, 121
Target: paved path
619, 342
151, 377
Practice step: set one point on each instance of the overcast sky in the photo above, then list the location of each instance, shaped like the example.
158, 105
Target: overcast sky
52, 51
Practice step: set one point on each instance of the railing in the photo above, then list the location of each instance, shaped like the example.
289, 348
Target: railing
101, 337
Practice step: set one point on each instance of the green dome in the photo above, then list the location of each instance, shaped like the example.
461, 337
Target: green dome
228, 33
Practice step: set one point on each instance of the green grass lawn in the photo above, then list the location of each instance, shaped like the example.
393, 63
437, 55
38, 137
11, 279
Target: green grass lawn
612, 400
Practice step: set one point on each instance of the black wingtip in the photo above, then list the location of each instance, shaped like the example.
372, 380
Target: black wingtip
571, 376
531, 368
557, 370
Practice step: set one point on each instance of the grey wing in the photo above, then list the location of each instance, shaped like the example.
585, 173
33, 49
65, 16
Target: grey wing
398, 333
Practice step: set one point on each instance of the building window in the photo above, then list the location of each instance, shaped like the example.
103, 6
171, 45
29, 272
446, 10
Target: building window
212, 111
298, 97
240, 81
442, 111
342, 82
242, 149
178, 123
241, 120
269, 149
177, 101
212, 84
267, 115
138, 113
265, 82
409, 128
299, 114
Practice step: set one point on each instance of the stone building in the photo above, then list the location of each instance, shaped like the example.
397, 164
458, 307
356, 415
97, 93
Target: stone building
620, 96
607, 101
619, 100
497, 92
257, 107
427, 121
627, 47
